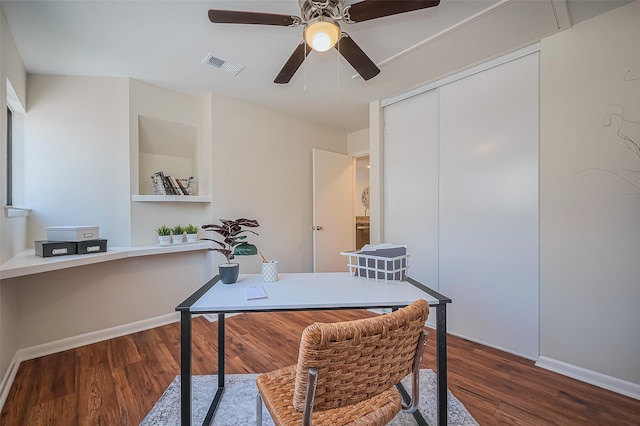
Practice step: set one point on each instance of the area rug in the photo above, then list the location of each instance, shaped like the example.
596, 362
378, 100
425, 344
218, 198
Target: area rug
238, 404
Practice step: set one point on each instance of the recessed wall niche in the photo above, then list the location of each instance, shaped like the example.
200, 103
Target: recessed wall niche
165, 146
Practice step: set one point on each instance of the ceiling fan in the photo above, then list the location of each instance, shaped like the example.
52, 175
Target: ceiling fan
320, 19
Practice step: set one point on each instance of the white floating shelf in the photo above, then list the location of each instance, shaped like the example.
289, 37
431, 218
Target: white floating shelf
172, 198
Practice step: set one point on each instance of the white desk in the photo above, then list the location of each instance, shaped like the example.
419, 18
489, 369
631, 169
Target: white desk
310, 291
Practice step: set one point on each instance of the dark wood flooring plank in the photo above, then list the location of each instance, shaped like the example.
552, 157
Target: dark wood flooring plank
60, 411
55, 380
130, 413
146, 388
156, 354
23, 394
122, 352
204, 347
97, 401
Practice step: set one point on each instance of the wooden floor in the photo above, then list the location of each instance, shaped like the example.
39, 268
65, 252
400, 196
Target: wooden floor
116, 382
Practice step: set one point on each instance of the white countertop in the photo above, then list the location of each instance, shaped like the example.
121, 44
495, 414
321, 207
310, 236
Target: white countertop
27, 263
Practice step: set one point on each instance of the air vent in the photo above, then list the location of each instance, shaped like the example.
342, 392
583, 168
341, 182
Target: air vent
226, 66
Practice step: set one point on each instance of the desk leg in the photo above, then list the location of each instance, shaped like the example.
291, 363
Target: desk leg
220, 350
185, 368
441, 362
208, 419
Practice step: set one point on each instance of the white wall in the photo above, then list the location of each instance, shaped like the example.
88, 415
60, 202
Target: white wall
77, 151
69, 302
12, 230
261, 164
12, 237
182, 111
589, 214
358, 142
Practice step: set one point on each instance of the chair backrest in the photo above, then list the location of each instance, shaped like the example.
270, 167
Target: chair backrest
359, 359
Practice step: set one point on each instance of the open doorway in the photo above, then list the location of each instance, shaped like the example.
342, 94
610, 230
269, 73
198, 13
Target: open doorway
361, 200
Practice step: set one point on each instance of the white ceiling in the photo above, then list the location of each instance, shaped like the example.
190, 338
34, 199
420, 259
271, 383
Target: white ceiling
164, 43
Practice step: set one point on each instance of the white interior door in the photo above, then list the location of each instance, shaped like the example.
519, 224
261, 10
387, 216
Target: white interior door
333, 219
411, 183
489, 264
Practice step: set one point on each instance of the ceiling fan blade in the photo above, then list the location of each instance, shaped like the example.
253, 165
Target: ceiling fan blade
242, 17
372, 9
356, 57
291, 66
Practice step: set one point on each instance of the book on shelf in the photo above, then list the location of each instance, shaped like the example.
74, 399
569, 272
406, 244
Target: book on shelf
167, 185
189, 185
174, 185
182, 188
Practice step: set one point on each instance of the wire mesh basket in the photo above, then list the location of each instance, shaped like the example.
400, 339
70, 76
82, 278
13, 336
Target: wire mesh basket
367, 265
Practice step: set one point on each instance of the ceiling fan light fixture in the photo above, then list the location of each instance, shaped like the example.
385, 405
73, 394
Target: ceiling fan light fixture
322, 34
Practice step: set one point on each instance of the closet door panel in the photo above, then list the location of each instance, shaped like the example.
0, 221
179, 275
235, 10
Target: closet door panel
489, 261
410, 190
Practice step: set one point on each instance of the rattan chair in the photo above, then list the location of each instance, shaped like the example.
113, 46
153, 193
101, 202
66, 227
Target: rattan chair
347, 371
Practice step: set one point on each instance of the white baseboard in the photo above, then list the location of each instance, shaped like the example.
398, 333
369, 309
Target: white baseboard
74, 342
613, 384
500, 348
7, 380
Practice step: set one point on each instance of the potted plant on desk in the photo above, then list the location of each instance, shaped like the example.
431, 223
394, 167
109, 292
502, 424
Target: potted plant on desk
232, 244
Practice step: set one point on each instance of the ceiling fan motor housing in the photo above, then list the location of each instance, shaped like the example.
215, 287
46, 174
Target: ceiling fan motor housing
310, 9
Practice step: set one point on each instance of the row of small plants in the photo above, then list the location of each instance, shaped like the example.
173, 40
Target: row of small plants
165, 230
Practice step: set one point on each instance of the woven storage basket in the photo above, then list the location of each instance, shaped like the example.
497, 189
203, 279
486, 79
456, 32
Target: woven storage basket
377, 267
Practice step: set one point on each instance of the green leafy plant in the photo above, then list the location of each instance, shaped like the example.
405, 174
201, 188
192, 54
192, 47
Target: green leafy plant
191, 229
232, 243
163, 230
177, 230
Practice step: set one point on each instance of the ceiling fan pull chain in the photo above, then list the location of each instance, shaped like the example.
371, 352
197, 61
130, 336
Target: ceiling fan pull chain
305, 67
338, 63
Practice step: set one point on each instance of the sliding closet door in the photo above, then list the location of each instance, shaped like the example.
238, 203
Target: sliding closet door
410, 188
489, 205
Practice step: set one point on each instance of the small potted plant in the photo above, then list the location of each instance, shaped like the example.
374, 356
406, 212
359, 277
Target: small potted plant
177, 234
192, 233
164, 235
232, 243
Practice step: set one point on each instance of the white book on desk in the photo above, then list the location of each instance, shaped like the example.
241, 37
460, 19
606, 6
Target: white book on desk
254, 292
